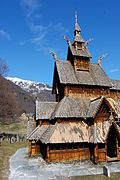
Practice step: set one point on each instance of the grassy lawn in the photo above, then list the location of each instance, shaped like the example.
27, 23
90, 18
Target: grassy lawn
17, 127
6, 150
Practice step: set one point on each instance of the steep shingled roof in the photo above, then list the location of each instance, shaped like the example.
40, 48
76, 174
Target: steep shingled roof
66, 133
94, 105
71, 107
66, 72
38, 132
95, 76
44, 110
116, 85
80, 52
72, 132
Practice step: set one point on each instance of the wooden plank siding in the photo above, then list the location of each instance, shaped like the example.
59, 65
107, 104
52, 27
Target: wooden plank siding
90, 92
34, 149
68, 155
81, 64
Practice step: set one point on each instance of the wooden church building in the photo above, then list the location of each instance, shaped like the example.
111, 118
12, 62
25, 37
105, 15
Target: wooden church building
83, 123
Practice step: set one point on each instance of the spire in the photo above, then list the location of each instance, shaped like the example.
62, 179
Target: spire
77, 30
77, 27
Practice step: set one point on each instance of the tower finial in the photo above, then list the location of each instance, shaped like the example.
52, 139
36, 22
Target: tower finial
76, 17
77, 27
54, 55
67, 40
100, 58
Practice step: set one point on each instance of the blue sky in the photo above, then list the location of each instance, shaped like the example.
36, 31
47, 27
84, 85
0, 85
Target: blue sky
30, 28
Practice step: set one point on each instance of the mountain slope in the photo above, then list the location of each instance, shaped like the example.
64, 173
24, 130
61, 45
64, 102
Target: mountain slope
36, 89
14, 100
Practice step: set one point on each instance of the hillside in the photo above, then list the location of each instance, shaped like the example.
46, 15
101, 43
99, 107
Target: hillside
14, 100
35, 89
18, 96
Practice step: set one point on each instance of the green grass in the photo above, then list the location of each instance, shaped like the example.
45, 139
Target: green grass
7, 150
17, 127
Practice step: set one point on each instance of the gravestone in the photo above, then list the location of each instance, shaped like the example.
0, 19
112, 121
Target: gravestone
106, 171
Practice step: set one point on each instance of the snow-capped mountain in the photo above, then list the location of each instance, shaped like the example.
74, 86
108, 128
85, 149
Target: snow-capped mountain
37, 89
29, 86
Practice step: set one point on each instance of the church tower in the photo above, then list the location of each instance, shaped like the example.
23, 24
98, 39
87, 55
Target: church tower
78, 52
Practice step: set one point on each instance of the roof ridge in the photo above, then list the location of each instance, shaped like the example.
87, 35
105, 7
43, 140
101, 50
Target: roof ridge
97, 108
58, 106
51, 128
110, 106
105, 74
33, 131
96, 98
47, 102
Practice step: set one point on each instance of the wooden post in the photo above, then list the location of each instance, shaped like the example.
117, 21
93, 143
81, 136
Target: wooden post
96, 153
106, 157
117, 149
48, 155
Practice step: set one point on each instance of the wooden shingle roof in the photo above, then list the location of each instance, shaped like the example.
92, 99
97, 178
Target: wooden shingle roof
66, 133
38, 132
94, 105
116, 85
72, 132
44, 110
70, 107
66, 72
80, 52
95, 76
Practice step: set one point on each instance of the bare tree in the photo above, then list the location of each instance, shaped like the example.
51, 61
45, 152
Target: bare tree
3, 67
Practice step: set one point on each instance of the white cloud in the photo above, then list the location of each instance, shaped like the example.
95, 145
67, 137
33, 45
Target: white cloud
39, 29
114, 70
30, 6
42, 34
5, 34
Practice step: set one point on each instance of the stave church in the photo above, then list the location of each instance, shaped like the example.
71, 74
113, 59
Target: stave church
84, 121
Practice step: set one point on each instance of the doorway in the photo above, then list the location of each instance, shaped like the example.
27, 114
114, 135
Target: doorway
111, 143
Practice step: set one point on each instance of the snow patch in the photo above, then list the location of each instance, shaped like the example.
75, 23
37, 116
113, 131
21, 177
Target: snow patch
28, 85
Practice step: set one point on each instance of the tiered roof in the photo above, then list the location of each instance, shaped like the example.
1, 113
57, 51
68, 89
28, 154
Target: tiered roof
76, 108
96, 76
73, 132
70, 107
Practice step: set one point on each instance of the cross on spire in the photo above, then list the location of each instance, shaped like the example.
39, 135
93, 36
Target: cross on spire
76, 18
77, 27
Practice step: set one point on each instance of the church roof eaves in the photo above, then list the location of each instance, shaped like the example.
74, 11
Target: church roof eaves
95, 76
44, 110
116, 85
